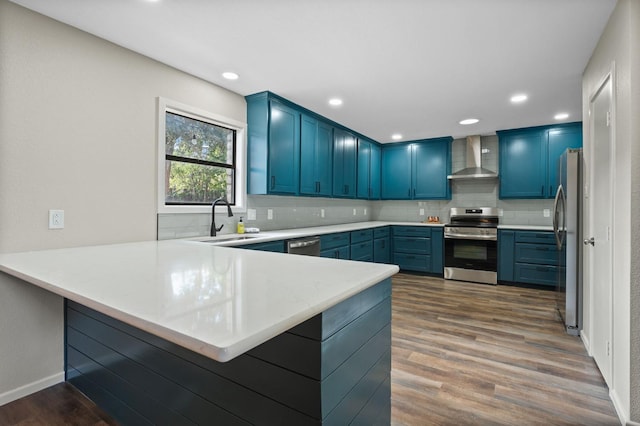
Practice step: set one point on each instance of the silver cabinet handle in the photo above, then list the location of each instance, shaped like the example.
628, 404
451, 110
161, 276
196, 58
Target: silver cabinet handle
591, 241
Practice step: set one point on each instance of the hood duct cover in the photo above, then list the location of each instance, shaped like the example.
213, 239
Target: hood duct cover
474, 168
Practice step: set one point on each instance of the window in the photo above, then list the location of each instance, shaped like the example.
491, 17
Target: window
201, 159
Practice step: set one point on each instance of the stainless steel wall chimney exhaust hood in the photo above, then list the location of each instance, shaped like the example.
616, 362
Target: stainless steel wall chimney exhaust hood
474, 168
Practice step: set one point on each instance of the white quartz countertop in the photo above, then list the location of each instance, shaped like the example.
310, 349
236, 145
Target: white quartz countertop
527, 227
217, 301
287, 234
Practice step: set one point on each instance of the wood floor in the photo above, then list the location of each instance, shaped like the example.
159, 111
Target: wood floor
473, 354
463, 354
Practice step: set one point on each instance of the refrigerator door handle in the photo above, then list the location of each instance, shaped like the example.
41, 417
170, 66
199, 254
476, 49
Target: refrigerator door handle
556, 226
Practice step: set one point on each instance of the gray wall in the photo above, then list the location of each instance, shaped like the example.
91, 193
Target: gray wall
78, 133
620, 43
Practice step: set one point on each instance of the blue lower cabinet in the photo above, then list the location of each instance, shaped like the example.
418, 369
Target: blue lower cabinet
413, 262
273, 246
528, 257
382, 250
362, 251
337, 253
414, 245
437, 250
339, 239
361, 235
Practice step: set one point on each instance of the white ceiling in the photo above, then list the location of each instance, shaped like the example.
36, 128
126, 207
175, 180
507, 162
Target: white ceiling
416, 67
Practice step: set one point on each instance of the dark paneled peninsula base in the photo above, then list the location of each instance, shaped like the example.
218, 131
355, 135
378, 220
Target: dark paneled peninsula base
333, 369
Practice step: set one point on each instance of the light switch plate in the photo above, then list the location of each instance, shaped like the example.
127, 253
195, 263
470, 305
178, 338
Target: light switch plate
321, 212
421, 212
56, 219
251, 214
269, 214
546, 213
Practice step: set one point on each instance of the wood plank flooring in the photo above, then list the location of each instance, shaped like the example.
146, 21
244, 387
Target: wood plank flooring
474, 354
463, 354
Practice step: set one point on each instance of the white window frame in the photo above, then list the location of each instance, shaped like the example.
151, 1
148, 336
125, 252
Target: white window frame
167, 105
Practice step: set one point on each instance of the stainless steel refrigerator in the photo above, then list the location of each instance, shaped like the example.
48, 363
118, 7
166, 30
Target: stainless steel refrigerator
567, 226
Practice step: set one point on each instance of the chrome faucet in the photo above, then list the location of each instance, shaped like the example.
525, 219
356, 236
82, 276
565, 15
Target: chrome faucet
214, 230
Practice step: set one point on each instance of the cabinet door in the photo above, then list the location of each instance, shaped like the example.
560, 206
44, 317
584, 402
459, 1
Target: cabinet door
522, 165
382, 250
430, 166
374, 172
364, 169
316, 145
284, 149
506, 255
344, 164
559, 140
437, 250
396, 172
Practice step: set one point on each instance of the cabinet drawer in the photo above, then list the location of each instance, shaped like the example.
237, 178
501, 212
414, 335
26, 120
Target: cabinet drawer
336, 253
540, 237
334, 240
361, 235
412, 231
412, 262
543, 254
362, 251
415, 245
536, 274
381, 232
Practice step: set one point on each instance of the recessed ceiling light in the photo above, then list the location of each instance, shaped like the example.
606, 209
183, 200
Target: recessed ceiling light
561, 116
469, 121
396, 136
230, 75
519, 98
335, 102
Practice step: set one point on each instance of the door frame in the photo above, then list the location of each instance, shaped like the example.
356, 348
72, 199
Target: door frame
589, 208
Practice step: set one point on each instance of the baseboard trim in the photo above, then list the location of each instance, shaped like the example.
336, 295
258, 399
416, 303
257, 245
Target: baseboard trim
622, 415
630, 423
585, 342
30, 388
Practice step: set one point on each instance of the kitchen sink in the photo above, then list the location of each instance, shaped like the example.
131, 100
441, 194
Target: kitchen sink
227, 239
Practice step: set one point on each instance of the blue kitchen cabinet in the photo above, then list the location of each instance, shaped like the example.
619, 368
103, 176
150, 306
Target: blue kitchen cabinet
412, 248
431, 164
437, 250
506, 255
417, 170
381, 245
527, 257
368, 177
336, 245
559, 140
529, 159
362, 245
396, 172
522, 159
273, 157
272, 246
316, 149
344, 164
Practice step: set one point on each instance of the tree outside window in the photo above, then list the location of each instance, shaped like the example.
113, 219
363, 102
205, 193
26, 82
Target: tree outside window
200, 161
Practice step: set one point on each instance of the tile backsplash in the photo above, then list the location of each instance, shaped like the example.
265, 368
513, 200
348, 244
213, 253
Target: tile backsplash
301, 212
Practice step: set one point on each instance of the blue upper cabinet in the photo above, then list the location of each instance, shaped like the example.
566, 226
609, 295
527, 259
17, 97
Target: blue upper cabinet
273, 156
529, 157
316, 148
417, 170
396, 172
368, 177
559, 140
431, 164
344, 164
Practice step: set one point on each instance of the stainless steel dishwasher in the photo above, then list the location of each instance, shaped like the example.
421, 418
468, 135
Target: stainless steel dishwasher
308, 246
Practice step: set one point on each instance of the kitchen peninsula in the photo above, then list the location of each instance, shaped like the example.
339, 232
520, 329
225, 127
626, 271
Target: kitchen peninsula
182, 332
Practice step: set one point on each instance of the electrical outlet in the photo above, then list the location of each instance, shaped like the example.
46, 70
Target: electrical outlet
56, 219
269, 214
365, 212
421, 212
321, 212
355, 212
251, 214
546, 213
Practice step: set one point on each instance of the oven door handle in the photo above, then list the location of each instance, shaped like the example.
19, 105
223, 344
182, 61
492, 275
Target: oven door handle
471, 237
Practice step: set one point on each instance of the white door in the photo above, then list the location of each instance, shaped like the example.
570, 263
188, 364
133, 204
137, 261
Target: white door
599, 251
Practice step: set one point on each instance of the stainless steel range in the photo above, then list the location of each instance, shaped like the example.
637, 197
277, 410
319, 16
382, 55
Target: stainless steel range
471, 245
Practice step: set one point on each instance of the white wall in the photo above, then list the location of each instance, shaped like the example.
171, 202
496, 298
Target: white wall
620, 43
78, 133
